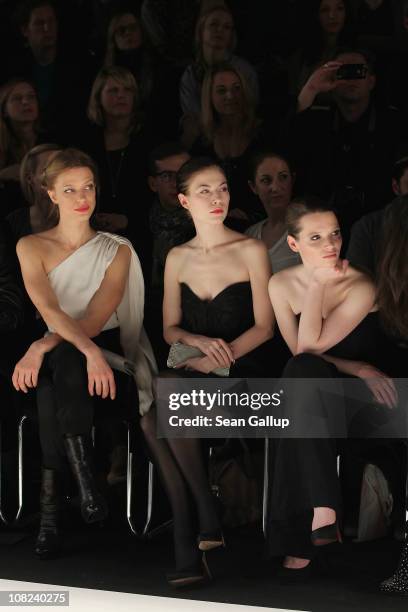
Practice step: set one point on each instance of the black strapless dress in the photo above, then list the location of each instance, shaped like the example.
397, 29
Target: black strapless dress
228, 315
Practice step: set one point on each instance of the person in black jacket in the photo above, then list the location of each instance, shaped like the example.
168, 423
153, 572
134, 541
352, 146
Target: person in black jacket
366, 235
60, 74
345, 151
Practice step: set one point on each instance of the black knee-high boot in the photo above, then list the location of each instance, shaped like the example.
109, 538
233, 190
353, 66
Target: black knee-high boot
93, 505
48, 543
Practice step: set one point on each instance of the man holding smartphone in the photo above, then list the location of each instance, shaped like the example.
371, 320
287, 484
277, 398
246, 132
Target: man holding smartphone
344, 151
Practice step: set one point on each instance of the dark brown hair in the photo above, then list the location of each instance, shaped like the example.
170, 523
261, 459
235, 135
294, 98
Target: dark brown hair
192, 167
301, 206
392, 281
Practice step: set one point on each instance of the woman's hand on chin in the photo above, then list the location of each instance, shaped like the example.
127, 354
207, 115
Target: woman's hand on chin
324, 275
381, 386
25, 375
216, 349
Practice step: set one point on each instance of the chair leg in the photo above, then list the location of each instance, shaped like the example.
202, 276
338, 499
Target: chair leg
147, 532
2, 516
20, 468
265, 487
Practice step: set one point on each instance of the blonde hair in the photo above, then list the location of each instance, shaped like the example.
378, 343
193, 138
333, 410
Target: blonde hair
209, 117
125, 78
11, 149
62, 160
198, 37
110, 42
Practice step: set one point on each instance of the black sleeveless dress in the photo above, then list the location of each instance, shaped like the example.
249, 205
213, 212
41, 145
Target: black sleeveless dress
228, 315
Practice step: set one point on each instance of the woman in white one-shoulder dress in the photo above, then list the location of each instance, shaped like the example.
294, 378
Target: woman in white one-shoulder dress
88, 287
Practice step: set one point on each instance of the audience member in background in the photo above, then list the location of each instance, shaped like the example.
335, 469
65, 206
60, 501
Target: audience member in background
170, 226
34, 216
215, 41
169, 223
11, 319
272, 180
126, 47
215, 299
117, 142
392, 295
19, 126
329, 27
230, 132
364, 249
345, 152
58, 74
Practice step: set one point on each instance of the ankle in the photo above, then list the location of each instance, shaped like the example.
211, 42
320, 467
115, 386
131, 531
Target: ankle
322, 517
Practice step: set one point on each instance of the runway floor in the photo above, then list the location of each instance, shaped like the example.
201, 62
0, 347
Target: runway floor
112, 570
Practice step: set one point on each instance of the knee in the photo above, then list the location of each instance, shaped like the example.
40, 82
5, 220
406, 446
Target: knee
306, 365
148, 424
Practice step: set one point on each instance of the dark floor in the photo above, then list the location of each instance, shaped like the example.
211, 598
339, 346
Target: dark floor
112, 559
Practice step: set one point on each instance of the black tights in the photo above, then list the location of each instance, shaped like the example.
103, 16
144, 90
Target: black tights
181, 466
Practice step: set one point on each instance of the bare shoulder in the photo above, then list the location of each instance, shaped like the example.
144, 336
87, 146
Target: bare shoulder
284, 277
30, 245
177, 255
360, 281
124, 252
251, 250
252, 246
180, 251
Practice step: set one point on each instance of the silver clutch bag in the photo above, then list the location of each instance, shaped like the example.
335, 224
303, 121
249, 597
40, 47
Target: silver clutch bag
120, 363
180, 352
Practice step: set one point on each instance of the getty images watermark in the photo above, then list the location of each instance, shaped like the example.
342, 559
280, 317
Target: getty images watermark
290, 408
219, 400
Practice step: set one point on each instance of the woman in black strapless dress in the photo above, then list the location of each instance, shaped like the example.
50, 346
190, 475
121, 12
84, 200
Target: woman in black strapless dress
325, 312
215, 299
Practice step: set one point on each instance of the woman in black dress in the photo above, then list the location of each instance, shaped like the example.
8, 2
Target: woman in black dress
326, 313
215, 299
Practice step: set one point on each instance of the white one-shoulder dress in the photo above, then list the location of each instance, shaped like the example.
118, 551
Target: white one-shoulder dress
75, 281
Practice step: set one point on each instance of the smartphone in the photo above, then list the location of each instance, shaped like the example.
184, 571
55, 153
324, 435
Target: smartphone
350, 72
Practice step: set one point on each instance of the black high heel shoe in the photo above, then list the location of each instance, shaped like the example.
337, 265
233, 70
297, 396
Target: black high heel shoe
210, 539
93, 505
295, 576
398, 583
48, 543
329, 534
196, 574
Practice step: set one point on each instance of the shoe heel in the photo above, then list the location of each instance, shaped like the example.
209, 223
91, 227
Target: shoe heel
206, 569
209, 541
